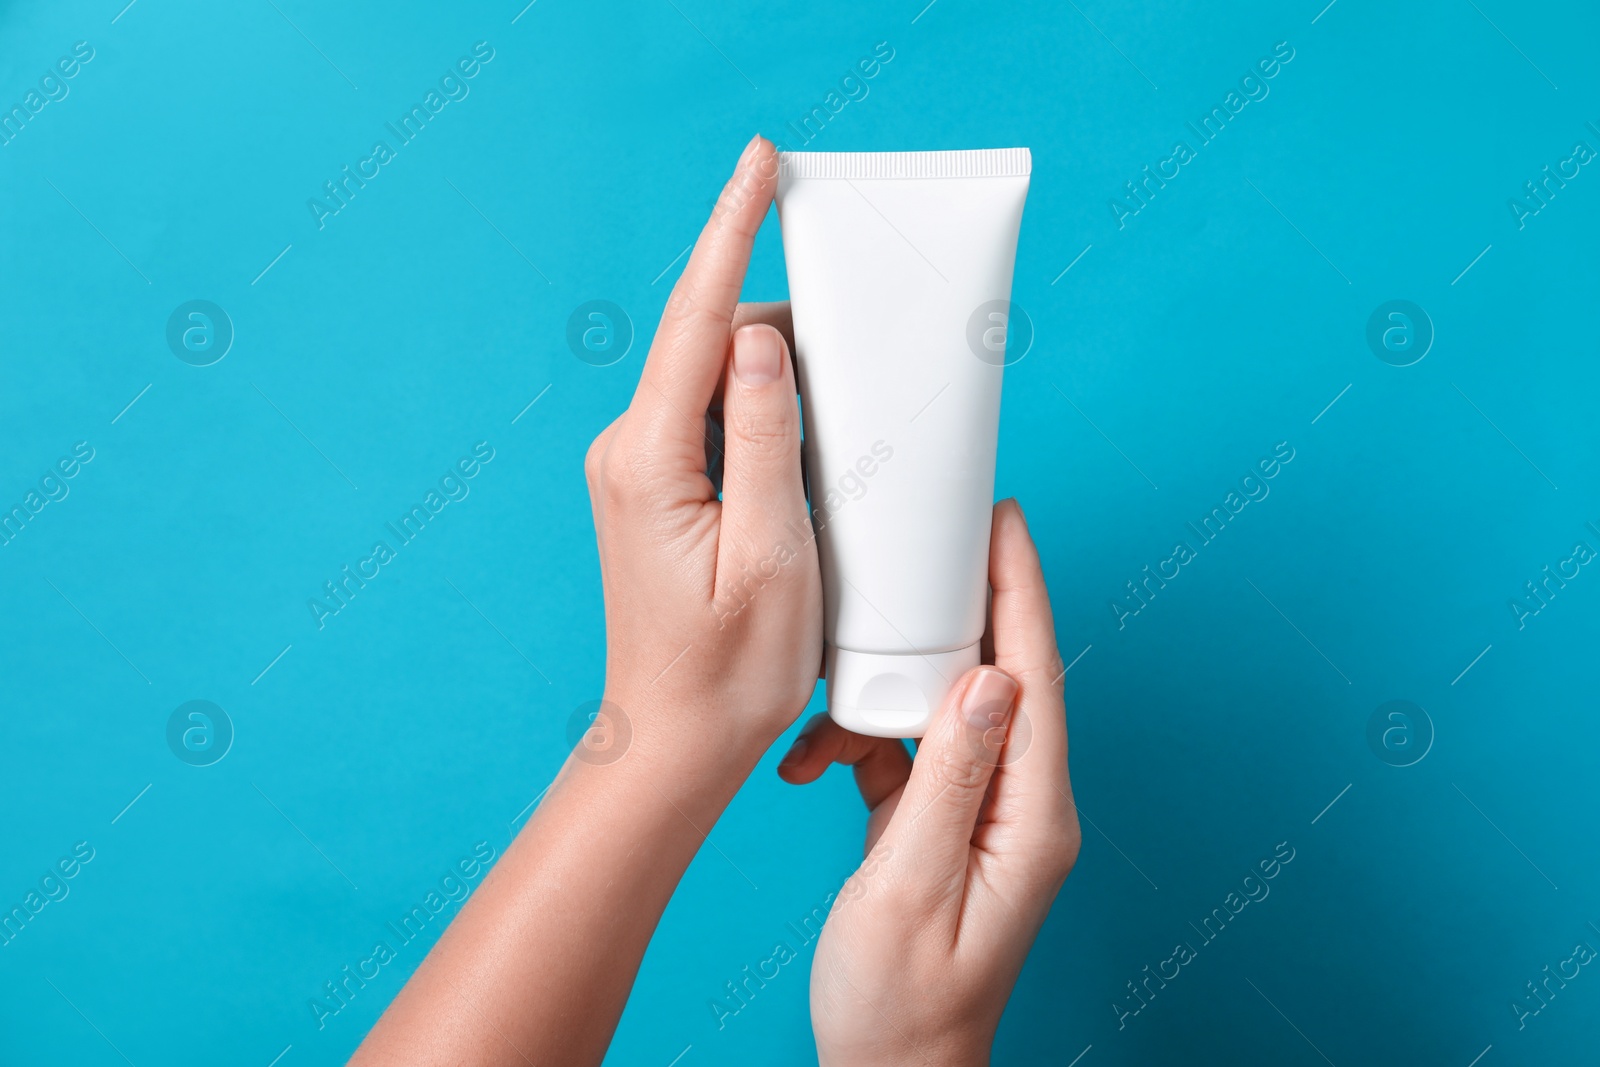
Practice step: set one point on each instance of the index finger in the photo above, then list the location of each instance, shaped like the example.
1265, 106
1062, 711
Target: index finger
691, 344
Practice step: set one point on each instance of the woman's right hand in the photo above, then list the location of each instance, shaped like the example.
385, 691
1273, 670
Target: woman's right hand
966, 847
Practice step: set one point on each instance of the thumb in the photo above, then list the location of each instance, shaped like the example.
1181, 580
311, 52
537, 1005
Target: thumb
762, 494
939, 809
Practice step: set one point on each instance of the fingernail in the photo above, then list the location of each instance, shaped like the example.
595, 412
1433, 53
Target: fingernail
748, 149
796, 752
987, 701
757, 357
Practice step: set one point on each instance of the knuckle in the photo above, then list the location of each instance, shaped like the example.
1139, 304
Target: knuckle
622, 475
1062, 854
593, 458
1057, 849
1054, 669
696, 309
954, 771
762, 431
1043, 678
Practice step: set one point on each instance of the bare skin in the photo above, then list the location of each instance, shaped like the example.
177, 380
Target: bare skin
537, 967
966, 847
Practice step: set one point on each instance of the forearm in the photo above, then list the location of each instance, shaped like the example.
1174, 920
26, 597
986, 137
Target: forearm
539, 963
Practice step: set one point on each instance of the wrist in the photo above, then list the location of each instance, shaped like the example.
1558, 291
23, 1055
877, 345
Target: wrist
686, 739
954, 1054
659, 758
902, 1028
630, 826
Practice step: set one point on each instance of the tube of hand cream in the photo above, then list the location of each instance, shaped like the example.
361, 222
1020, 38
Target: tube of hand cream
900, 281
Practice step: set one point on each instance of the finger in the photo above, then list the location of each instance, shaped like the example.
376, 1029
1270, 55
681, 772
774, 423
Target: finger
774, 313
763, 499
686, 359
1032, 796
955, 762
882, 764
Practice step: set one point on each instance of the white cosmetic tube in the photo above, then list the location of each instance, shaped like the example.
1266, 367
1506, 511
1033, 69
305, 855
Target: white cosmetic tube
900, 280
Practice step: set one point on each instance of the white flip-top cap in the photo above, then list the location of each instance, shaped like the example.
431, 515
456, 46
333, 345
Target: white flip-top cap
888, 695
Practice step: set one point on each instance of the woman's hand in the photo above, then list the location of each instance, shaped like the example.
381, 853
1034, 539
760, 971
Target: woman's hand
713, 641
713, 608
966, 847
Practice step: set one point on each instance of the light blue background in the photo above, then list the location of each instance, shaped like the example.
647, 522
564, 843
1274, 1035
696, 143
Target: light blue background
1223, 319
